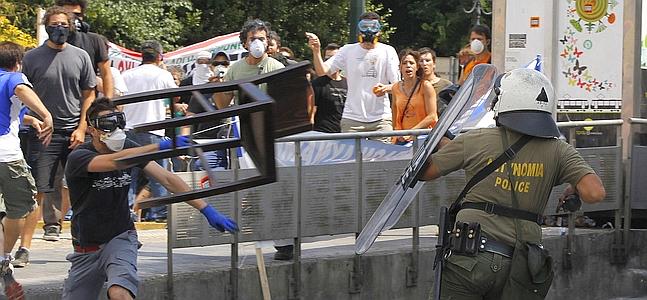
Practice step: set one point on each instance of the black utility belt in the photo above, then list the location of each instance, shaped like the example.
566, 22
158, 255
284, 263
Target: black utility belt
504, 211
466, 239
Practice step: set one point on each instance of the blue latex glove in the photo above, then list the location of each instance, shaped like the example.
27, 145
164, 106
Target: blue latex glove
218, 220
180, 141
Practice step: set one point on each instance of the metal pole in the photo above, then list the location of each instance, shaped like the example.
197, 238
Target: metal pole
412, 271
170, 230
630, 98
498, 33
357, 8
296, 267
355, 284
233, 275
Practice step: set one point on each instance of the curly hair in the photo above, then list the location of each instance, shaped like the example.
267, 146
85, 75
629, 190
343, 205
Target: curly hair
253, 26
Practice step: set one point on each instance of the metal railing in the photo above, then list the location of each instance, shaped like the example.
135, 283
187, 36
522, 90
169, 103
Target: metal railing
414, 215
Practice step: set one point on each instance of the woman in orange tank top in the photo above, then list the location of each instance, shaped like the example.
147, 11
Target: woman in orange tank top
414, 99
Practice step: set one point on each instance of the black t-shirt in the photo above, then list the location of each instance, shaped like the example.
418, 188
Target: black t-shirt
207, 130
185, 82
99, 200
330, 96
94, 44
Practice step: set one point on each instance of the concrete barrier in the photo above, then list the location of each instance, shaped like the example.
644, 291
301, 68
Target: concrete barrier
326, 273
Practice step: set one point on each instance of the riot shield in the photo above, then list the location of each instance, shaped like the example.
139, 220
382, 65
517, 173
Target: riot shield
468, 108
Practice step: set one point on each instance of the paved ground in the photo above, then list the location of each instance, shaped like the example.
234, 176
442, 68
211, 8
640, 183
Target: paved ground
49, 268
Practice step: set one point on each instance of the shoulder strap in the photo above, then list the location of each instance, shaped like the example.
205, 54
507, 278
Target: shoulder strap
507, 155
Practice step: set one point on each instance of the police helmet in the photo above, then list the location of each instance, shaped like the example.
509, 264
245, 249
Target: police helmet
526, 103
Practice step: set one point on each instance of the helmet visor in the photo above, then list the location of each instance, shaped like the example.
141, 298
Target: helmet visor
531, 122
109, 122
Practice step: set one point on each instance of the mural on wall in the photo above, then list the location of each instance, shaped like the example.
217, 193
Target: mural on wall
589, 46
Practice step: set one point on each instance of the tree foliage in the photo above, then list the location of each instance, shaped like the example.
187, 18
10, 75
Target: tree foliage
442, 25
129, 23
11, 33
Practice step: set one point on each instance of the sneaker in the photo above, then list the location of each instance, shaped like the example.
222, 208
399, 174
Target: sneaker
51, 234
284, 252
12, 289
21, 259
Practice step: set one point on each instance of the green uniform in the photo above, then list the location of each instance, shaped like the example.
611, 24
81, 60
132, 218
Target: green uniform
540, 165
241, 70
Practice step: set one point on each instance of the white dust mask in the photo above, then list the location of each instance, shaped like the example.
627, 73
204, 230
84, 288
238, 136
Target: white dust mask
477, 46
257, 48
114, 140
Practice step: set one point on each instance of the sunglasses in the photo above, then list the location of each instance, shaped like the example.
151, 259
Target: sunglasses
110, 122
220, 63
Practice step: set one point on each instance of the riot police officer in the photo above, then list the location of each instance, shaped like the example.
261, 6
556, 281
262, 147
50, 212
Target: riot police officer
497, 226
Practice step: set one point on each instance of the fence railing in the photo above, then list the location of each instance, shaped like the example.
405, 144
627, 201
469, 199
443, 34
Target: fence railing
314, 200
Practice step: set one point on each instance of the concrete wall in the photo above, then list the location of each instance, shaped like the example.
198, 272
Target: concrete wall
591, 276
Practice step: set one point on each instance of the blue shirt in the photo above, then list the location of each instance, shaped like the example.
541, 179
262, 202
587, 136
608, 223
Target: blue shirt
10, 108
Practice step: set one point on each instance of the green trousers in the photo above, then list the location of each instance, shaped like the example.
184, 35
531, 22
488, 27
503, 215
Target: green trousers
474, 278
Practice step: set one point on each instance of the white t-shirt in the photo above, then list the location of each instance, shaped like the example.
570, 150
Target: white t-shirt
147, 77
9, 141
364, 69
118, 82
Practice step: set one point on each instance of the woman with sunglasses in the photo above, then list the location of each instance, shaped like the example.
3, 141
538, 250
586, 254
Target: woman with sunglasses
414, 103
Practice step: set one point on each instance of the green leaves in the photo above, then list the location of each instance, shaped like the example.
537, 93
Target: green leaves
129, 23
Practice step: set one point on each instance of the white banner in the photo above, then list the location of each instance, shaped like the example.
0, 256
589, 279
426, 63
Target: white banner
589, 61
124, 59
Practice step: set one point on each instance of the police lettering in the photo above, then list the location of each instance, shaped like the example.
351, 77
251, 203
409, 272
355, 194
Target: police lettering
519, 186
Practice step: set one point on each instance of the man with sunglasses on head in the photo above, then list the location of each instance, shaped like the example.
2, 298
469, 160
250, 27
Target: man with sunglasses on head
370, 68
64, 80
103, 233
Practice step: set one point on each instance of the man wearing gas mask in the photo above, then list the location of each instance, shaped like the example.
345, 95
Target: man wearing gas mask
480, 38
103, 233
370, 67
63, 79
94, 44
254, 36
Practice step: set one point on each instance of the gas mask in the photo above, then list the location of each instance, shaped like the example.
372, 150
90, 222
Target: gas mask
257, 48
369, 30
111, 126
477, 46
58, 34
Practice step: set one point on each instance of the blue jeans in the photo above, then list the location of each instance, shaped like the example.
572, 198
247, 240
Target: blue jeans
157, 189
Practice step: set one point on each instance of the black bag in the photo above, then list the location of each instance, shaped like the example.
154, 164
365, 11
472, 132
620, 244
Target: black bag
531, 273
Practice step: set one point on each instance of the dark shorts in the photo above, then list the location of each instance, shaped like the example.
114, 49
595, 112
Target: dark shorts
45, 161
17, 189
115, 263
